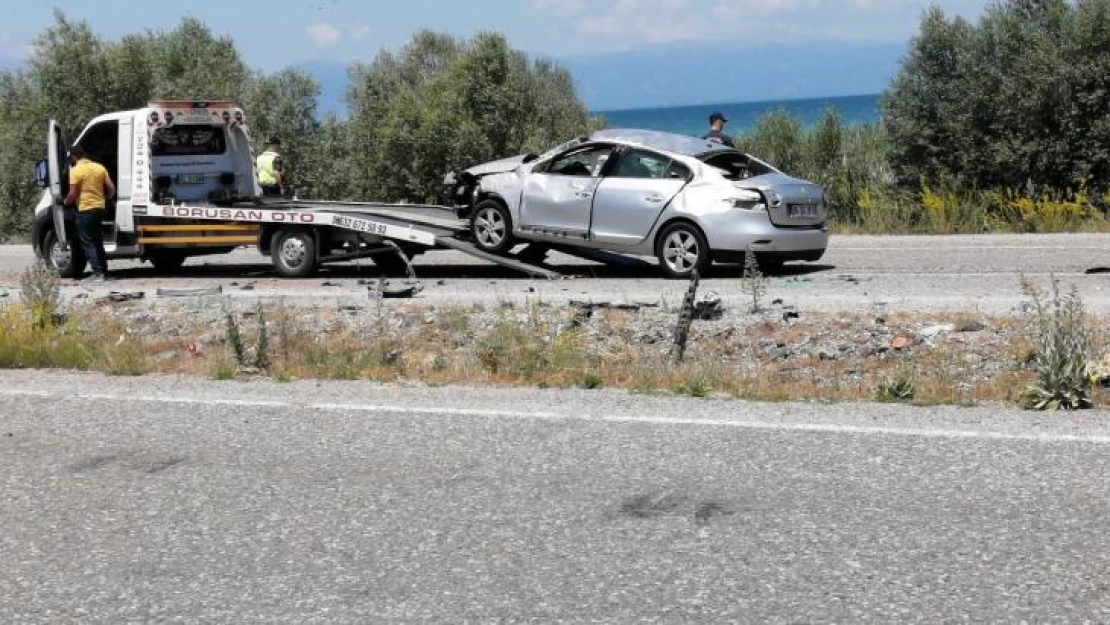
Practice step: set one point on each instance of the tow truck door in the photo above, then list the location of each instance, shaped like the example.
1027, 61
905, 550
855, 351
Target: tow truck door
58, 170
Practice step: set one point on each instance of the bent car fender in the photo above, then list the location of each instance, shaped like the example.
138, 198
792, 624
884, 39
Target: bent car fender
508, 187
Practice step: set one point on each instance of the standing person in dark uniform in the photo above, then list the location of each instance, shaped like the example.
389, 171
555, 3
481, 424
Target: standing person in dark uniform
716, 132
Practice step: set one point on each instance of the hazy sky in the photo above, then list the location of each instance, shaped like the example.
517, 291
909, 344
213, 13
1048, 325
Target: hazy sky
274, 34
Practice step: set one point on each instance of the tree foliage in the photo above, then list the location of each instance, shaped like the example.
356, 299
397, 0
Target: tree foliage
72, 76
442, 103
438, 104
1022, 97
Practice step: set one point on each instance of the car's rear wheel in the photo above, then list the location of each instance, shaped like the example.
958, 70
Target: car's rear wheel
682, 249
492, 227
69, 262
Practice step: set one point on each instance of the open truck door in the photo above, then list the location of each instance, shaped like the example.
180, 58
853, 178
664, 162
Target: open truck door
57, 166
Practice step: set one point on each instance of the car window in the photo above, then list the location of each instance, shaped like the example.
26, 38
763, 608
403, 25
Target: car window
585, 162
642, 164
678, 170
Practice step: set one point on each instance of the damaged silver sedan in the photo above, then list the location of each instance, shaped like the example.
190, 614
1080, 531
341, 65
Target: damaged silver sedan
689, 202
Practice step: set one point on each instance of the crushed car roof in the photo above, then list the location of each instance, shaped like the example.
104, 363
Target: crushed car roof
667, 141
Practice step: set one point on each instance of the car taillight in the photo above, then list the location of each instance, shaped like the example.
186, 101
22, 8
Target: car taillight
749, 200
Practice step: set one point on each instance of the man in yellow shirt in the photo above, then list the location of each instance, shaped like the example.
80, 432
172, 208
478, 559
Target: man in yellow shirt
89, 188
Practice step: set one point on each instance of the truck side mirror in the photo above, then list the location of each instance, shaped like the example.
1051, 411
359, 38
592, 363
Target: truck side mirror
42, 174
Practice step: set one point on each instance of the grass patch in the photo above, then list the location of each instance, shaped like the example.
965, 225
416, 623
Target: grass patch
899, 388
78, 342
990, 359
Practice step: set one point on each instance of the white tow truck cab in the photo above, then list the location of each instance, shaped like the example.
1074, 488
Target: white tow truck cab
166, 154
186, 185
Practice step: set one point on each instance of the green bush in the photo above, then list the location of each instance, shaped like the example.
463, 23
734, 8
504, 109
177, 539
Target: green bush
1062, 339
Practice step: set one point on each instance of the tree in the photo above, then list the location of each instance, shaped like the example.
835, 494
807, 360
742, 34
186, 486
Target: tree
778, 139
1023, 96
437, 105
443, 104
284, 105
71, 76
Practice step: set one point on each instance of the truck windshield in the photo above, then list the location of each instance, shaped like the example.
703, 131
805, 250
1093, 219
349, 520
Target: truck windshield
188, 140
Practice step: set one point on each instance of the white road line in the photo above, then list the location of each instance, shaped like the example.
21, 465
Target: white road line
828, 428
974, 248
834, 275
460, 412
198, 401
1043, 437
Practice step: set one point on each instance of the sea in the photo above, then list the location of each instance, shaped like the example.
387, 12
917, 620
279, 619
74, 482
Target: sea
742, 116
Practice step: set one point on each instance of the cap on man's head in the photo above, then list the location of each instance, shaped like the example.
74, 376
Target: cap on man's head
715, 115
273, 141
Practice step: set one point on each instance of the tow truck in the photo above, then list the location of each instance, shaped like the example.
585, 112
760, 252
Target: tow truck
187, 186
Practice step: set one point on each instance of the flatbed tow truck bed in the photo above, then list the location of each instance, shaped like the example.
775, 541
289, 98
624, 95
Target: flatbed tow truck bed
417, 227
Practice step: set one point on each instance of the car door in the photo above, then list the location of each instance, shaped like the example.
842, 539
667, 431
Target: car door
558, 197
629, 200
57, 165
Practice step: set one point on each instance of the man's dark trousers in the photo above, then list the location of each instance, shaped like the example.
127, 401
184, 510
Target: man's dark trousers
92, 239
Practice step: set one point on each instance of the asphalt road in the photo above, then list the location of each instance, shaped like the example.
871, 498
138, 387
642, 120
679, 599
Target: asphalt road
980, 272
176, 499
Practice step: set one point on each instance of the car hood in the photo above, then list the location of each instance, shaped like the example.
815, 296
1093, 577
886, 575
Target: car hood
498, 166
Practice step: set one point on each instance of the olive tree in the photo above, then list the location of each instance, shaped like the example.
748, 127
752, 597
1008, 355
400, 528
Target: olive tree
441, 104
1022, 96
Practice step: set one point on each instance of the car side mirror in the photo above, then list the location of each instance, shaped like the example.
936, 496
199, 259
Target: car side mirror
42, 173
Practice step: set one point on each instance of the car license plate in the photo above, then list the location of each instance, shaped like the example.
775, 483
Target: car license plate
190, 179
801, 210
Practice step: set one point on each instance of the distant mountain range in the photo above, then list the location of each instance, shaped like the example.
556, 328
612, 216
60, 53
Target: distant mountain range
687, 73
693, 73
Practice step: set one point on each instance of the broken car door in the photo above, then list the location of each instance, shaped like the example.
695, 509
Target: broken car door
557, 199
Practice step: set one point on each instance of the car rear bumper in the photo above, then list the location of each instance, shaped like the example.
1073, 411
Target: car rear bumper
730, 241
735, 257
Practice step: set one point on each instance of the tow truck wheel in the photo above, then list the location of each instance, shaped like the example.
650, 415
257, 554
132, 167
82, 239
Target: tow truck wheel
168, 261
69, 263
390, 263
294, 253
491, 227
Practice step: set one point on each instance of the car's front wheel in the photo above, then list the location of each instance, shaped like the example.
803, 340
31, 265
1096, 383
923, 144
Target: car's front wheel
492, 227
682, 249
68, 262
